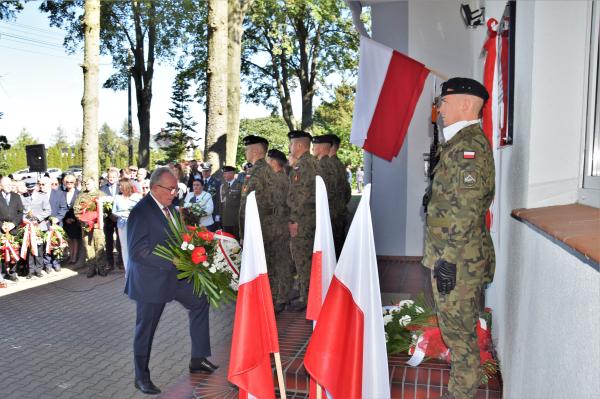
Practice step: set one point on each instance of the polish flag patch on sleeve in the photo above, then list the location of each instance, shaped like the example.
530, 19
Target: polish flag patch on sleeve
469, 155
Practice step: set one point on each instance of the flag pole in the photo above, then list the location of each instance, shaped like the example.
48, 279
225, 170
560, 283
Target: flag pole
319, 391
279, 375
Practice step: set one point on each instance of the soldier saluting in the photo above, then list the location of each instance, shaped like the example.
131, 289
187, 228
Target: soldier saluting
458, 246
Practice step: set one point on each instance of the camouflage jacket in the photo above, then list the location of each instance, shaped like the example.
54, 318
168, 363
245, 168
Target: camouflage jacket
278, 221
257, 179
326, 169
344, 191
462, 191
301, 196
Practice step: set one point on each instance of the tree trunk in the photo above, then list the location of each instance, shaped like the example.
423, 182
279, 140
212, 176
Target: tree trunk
89, 102
237, 11
216, 117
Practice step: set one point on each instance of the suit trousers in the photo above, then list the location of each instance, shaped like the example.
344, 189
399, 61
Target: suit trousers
147, 317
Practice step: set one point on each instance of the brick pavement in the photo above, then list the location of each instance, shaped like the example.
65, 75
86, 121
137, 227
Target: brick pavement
73, 339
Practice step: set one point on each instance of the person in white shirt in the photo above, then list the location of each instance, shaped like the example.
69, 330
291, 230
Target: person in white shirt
198, 195
123, 204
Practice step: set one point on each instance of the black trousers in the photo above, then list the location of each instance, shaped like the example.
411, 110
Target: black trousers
110, 231
148, 316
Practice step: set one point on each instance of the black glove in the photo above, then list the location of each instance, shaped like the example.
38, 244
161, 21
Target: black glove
445, 275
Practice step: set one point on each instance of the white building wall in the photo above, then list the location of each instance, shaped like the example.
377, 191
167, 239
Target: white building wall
545, 300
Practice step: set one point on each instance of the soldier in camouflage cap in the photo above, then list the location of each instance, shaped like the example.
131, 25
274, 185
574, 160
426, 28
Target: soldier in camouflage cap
301, 201
458, 246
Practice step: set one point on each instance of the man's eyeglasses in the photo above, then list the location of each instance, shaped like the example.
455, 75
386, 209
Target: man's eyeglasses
133, 170
170, 189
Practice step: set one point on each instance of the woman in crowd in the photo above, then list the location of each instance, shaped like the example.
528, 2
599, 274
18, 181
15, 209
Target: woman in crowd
70, 223
204, 199
123, 204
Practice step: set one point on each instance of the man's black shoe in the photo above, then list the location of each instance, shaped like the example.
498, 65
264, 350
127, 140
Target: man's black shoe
12, 277
57, 268
48, 270
102, 273
147, 387
38, 273
202, 365
91, 274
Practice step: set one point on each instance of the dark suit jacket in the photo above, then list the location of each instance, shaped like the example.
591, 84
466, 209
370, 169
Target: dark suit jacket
12, 212
150, 278
58, 204
213, 186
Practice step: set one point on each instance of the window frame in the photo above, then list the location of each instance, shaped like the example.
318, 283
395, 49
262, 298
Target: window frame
589, 192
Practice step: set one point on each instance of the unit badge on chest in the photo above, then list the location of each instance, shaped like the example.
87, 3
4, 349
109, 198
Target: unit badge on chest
468, 178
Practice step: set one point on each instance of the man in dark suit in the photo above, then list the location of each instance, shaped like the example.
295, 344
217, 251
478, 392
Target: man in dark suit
229, 201
152, 281
11, 210
110, 227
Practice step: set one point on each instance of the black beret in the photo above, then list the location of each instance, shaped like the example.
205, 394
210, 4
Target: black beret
324, 139
299, 134
249, 140
276, 154
464, 86
228, 169
335, 139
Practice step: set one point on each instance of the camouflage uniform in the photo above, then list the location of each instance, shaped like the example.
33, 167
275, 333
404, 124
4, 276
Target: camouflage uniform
94, 241
462, 191
277, 244
326, 169
301, 201
257, 179
342, 196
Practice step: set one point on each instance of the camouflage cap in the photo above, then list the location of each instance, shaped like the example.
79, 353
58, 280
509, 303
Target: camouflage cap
464, 86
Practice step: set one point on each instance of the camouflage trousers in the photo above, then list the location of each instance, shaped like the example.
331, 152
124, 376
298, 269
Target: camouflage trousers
458, 313
279, 265
95, 252
302, 247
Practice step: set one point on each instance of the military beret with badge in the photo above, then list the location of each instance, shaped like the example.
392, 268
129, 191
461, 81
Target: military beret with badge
464, 86
324, 139
299, 134
251, 139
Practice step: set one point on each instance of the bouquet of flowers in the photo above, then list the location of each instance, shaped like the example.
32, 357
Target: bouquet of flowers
193, 211
55, 242
412, 327
9, 244
87, 210
30, 236
203, 260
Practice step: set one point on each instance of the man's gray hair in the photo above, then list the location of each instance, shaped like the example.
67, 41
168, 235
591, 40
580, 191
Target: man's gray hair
158, 174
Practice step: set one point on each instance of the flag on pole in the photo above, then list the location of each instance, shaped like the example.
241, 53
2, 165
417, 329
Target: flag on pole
323, 258
388, 88
323, 261
347, 353
254, 329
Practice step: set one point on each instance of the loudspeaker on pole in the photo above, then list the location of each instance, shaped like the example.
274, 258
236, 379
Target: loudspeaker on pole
36, 157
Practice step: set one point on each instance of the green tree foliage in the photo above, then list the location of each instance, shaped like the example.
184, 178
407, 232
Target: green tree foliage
273, 128
9, 8
293, 44
178, 133
335, 117
112, 149
149, 30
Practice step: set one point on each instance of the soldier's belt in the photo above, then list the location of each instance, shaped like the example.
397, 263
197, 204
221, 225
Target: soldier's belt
438, 222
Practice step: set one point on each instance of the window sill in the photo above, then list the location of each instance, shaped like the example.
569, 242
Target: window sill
576, 226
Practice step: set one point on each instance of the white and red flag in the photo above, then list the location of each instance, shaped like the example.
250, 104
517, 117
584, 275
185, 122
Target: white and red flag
254, 329
388, 88
323, 260
347, 354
